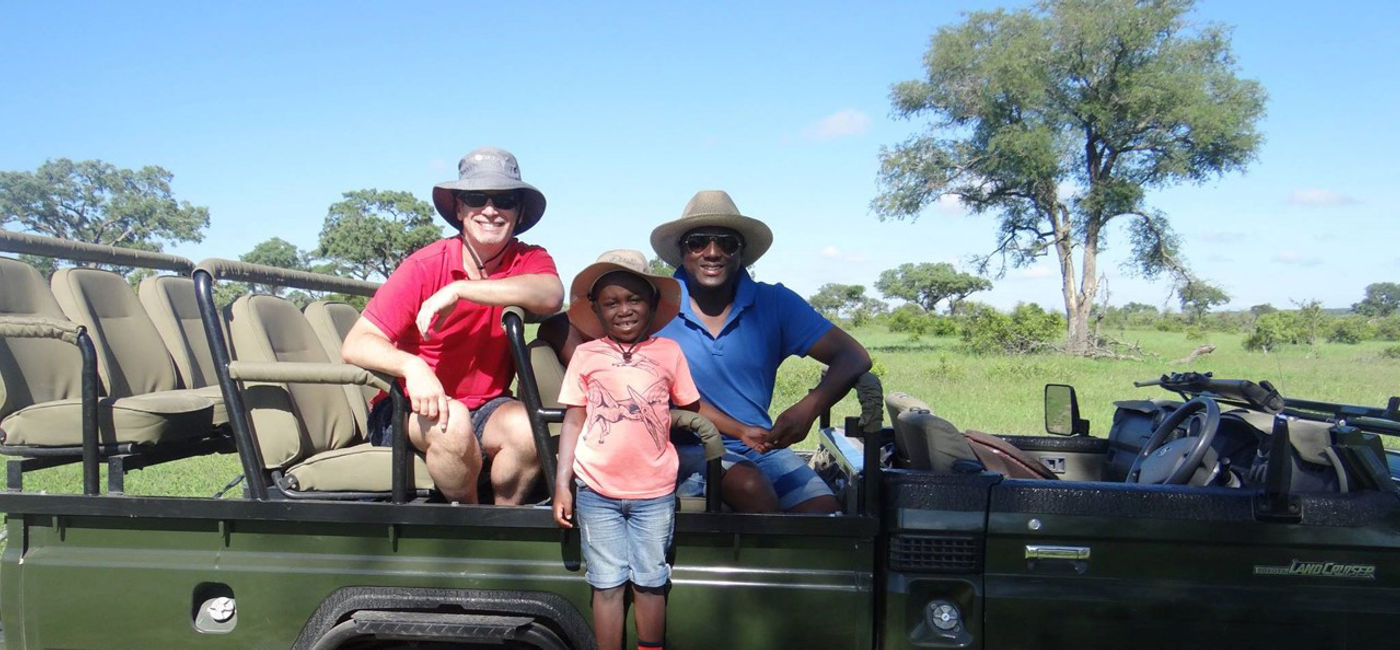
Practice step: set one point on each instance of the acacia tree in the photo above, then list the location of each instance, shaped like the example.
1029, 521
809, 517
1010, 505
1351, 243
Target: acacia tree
846, 301
1198, 297
369, 232
1114, 97
928, 284
96, 202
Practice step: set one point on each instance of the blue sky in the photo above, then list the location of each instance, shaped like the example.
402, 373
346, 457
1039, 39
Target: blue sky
266, 112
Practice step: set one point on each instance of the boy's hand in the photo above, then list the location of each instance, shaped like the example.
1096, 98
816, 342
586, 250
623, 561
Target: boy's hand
563, 507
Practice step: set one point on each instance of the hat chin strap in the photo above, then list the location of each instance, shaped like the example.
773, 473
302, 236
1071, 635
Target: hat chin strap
627, 351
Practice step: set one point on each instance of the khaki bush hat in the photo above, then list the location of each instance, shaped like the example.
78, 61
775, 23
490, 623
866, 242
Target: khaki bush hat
489, 169
711, 208
581, 315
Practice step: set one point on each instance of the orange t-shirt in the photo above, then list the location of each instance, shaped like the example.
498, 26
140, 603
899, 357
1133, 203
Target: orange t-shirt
624, 450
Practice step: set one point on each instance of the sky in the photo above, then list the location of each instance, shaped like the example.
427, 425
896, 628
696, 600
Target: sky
619, 112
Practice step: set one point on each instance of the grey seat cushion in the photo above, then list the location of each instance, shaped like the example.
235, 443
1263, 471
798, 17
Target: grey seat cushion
359, 468
138, 419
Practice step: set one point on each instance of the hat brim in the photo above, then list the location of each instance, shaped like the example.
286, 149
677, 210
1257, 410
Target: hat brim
665, 238
581, 314
531, 207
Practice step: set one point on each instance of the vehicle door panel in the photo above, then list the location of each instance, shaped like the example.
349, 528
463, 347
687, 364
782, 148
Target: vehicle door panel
1168, 566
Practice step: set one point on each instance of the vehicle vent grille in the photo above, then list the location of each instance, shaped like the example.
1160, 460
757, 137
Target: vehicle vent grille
936, 553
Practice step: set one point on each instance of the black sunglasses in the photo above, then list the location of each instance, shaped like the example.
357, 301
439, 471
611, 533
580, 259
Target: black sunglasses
502, 200
698, 242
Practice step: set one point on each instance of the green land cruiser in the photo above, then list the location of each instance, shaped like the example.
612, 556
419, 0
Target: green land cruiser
1215, 513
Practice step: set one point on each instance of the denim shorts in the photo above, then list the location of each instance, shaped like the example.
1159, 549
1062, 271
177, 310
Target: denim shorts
381, 420
793, 481
625, 539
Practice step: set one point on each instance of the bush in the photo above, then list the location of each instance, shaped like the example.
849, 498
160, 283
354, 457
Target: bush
1391, 352
1351, 330
1170, 323
1276, 329
1387, 329
913, 319
1027, 329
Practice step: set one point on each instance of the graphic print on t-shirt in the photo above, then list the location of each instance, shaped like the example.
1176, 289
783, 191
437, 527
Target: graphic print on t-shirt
605, 409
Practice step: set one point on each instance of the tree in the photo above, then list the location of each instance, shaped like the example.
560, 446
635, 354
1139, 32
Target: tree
1112, 97
368, 233
277, 252
658, 266
1382, 299
1198, 296
928, 284
96, 202
846, 301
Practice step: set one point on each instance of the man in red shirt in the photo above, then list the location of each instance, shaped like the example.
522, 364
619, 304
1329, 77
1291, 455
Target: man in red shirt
435, 324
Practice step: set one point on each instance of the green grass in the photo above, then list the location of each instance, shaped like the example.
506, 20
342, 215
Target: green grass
997, 394
1001, 394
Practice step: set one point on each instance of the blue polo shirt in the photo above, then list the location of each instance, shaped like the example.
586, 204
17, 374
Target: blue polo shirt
736, 371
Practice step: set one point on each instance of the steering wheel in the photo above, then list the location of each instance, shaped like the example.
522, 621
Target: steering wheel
1174, 463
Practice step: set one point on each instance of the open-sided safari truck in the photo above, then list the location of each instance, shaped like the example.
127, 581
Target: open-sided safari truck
1225, 516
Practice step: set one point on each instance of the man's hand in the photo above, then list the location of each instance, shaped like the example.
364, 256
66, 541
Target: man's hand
757, 438
792, 425
426, 395
436, 309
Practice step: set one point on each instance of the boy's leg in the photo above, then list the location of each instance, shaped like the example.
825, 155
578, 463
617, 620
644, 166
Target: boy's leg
650, 527
604, 536
607, 617
649, 610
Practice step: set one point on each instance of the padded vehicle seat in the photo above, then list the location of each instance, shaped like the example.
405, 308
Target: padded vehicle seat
170, 303
132, 356
926, 441
331, 321
306, 430
41, 384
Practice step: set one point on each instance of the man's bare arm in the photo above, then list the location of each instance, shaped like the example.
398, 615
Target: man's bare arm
368, 347
846, 360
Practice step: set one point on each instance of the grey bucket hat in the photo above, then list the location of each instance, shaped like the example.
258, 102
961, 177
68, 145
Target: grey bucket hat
489, 169
711, 208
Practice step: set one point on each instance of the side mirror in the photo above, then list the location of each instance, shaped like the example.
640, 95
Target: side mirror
1062, 412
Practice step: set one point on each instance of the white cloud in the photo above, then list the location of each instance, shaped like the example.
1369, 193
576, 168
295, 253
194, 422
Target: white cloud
438, 164
1319, 197
1295, 258
832, 253
949, 204
839, 124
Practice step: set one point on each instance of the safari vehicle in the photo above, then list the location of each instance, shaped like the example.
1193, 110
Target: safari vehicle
1216, 514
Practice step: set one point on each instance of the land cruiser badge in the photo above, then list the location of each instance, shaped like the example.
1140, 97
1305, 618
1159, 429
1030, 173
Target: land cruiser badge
1319, 570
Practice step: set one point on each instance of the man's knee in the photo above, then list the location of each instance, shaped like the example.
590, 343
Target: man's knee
509, 430
746, 489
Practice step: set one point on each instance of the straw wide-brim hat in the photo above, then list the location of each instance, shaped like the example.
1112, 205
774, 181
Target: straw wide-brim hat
489, 169
711, 208
581, 315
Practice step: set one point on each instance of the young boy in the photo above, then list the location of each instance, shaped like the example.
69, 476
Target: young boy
619, 389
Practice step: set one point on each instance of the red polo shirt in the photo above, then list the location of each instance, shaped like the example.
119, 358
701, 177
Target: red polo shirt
469, 353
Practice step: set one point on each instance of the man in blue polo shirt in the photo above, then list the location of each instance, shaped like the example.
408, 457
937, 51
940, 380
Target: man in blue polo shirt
735, 332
